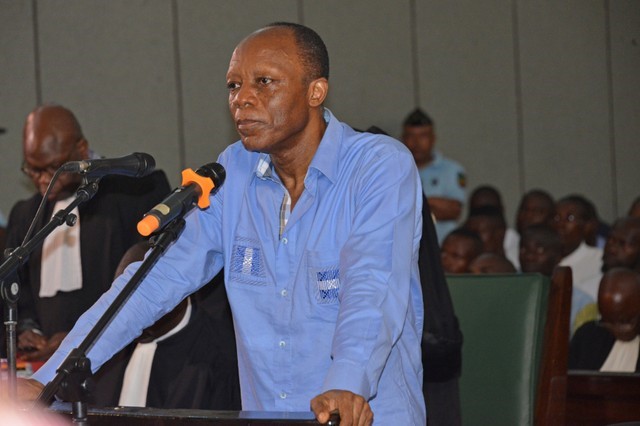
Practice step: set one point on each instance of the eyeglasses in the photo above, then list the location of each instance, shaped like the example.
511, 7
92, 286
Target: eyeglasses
35, 172
568, 218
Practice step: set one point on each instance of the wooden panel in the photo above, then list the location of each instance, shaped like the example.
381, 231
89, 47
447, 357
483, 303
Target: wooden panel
208, 33
468, 84
624, 19
565, 99
18, 95
113, 64
370, 55
595, 399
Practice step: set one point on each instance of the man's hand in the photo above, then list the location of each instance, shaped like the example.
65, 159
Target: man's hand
28, 389
31, 340
43, 351
353, 409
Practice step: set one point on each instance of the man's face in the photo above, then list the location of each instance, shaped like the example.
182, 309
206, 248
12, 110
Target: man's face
420, 141
536, 257
44, 153
457, 254
491, 235
570, 224
533, 211
267, 92
618, 309
622, 247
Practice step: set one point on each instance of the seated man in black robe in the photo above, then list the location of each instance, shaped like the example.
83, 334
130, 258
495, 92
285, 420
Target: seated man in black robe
613, 343
185, 360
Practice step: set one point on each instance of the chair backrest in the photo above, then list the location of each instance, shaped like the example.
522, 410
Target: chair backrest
503, 319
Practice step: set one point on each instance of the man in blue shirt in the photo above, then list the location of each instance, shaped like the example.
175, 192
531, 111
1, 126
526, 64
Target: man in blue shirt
318, 228
443, 180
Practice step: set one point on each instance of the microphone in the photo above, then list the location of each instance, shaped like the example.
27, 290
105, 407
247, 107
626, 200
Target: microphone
137, 164
196, 187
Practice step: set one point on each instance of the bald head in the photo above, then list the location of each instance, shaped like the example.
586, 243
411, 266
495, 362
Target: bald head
51, 129
51, 137
619, 302
491, 263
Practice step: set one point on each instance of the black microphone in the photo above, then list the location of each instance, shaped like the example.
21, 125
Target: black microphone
137, 164
196, 187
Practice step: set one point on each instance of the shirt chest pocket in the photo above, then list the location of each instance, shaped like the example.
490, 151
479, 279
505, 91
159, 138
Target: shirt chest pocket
323, 279
247, 267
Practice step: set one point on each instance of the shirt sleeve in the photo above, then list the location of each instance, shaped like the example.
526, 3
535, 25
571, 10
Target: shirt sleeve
178, 273
378, 268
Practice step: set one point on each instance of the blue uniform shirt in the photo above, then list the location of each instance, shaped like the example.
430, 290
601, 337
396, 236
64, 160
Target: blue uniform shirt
334, 303
444, 178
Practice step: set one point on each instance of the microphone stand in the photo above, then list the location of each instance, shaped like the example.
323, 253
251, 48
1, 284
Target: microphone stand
73, 376
10, 289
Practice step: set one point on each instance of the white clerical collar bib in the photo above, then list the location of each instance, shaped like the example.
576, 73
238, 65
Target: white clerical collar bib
61, 268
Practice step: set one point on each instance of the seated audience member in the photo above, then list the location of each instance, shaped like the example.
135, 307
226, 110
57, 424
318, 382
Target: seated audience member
459, 249
487, 195
572, 221
488, 222
613, 343
491, 263
622, 248
75, 264
634, 210
187, 359
541, 252
597, 230
536, 207
443, 180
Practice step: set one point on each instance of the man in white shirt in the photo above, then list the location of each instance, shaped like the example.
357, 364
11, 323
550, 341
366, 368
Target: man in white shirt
572, 222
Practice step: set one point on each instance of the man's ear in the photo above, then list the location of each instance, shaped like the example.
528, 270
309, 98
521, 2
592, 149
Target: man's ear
318, 90
83, 148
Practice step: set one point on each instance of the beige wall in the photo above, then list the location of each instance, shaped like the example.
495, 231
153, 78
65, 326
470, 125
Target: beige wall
524, 93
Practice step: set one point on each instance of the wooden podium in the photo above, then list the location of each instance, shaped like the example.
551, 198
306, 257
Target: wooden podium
134, 416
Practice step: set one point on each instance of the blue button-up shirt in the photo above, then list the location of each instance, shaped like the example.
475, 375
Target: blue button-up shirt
331, 302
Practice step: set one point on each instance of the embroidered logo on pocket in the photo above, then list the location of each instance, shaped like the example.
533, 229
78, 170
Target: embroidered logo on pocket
247, 264
327, 286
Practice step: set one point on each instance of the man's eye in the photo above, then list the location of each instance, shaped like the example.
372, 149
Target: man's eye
265, 80
232, 86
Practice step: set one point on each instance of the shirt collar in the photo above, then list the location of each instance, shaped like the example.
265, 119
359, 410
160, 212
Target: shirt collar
437, 157
325, 159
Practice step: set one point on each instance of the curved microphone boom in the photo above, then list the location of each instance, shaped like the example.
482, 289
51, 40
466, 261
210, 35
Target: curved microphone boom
137, 164
196, 188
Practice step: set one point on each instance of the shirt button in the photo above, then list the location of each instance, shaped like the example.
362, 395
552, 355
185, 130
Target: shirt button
285, 241
284, 292
283, 395
283, 343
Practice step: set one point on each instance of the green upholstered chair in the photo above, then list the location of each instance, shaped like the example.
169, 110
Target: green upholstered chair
508, 322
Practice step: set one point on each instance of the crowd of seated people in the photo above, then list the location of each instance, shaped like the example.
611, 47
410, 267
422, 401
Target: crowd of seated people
547, 233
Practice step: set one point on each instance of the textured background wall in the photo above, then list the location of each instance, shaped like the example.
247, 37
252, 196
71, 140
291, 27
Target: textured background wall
525, 94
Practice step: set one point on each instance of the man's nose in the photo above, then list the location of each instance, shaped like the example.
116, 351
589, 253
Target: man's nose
244, 96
